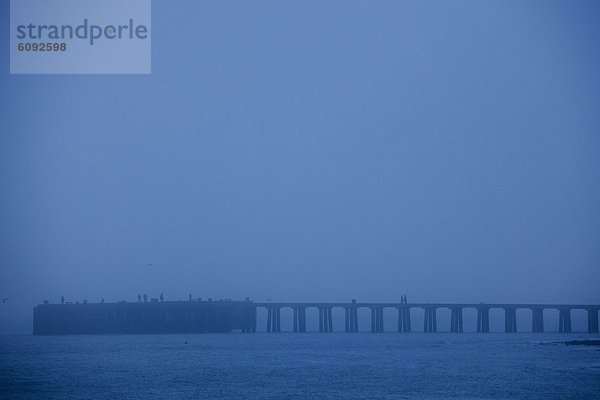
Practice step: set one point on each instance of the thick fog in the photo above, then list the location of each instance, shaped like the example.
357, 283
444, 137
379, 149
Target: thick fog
312, 151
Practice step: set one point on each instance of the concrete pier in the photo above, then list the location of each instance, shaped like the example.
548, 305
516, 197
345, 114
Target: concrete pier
273, 319
224, 316
564, 320
537, 319
483, 319
456, 319
351, 320
325, 319
430, 319
144, 318
376, 319
592, 320
404, 319
510, 320
299, 319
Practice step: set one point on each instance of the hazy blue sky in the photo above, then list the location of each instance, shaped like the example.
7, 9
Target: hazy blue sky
315, 150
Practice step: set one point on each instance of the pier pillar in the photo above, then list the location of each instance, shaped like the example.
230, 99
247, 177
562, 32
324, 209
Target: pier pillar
564, 320
273, 319
373, 317
404, 319
592, 320
320, 319
299, 319
351, 322
430, 320
278, 314
302, 319
377, 319
295, 318
483, 319
456, 319
346, 319
325, 319
510, 320
537, 320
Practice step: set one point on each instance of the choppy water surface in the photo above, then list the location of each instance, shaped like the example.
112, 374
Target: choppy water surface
287, 365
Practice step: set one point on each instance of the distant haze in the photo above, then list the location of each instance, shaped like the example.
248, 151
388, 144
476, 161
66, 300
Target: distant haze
316, 151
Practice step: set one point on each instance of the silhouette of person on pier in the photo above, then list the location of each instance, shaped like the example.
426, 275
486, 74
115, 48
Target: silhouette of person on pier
62, 299
145, 298
190, 297
161, 297
139, 298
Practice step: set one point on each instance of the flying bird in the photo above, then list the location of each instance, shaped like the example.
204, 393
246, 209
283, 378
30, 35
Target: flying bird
5, 300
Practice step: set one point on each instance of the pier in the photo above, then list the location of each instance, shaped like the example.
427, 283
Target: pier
430, 318
152, 317
195, 316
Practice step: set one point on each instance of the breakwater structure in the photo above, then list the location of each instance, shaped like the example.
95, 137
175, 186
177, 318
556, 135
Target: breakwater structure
144, 317
223, 316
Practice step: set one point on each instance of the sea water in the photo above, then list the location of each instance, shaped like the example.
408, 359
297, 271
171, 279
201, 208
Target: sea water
300, 366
